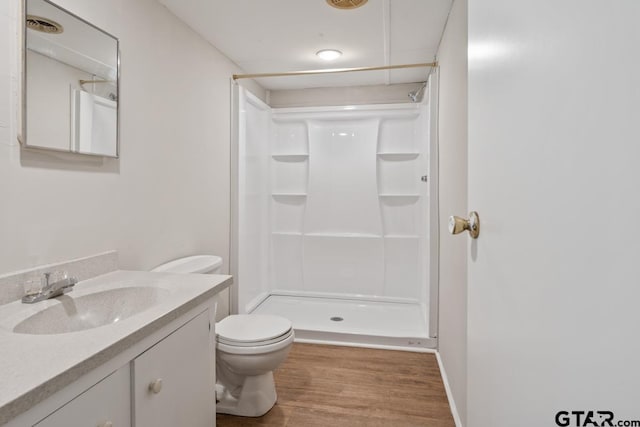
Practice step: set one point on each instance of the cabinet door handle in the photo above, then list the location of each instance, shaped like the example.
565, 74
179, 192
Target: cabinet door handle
106, 424
155, 386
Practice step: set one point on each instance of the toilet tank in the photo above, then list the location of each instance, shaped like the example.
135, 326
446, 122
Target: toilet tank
207, 264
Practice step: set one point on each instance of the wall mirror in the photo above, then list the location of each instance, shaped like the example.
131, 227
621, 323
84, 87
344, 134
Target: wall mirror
70, 82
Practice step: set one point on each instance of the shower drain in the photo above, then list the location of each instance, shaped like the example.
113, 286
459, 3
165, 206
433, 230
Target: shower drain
336, 319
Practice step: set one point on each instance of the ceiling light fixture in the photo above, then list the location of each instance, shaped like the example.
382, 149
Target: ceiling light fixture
44, 25
329, 54
346, 4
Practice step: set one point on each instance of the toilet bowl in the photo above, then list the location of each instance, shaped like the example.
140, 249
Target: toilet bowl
249, 347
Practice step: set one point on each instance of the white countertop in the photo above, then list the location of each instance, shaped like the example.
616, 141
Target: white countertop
34, 367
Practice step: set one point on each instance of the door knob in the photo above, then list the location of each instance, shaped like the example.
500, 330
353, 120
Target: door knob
458, 225
155, 386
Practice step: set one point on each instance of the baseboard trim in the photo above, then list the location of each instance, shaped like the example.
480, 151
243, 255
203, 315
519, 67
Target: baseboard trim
305, 338
447, 389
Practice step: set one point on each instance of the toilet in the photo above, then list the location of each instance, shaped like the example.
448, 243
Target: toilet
207, 264
249, 347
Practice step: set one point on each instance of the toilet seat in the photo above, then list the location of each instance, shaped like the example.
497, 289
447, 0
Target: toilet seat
253, 333
236, 343
257, 348
245, 330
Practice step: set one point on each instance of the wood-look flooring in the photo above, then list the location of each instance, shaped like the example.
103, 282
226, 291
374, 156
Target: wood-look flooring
331, 386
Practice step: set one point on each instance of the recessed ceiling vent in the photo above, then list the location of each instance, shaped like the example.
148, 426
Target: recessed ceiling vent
346, 4
44, 25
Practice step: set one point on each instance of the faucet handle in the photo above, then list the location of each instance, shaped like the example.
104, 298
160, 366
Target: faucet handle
50, 278
45, 280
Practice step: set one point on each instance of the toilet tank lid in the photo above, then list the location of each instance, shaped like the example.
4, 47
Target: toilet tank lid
245, 328
191, 264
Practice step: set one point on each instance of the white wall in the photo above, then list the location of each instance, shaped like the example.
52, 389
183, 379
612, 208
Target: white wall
452, 340
168, 194
553, 319
8, 85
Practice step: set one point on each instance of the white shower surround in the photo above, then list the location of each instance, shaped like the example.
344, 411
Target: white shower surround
331, 206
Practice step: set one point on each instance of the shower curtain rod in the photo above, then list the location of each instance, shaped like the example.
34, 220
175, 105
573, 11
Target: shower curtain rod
95, 81
333, 71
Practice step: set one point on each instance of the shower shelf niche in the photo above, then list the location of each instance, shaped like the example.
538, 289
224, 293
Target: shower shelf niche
398, 156
277, 195
291, 157
399, 196
338, 234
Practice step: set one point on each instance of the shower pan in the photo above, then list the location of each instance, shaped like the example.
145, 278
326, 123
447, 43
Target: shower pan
334, 222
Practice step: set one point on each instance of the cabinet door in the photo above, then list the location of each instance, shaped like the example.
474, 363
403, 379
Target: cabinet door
106, 404
174, 381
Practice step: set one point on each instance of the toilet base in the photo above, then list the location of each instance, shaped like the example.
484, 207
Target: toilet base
257, 396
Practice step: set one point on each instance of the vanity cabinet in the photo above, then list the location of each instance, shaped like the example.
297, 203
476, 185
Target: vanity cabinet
173, 381
170, 384
106, 404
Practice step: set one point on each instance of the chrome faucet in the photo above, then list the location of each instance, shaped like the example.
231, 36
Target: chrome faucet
51, 288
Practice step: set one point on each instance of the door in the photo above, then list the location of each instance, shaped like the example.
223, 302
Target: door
106, 404
554, 151
173, 381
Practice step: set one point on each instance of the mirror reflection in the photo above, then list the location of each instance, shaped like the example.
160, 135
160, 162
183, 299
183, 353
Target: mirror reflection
71, 82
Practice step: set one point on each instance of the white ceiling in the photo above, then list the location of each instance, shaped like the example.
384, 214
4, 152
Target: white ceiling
276, 35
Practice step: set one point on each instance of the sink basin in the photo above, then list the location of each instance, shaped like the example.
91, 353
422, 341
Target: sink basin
90, 311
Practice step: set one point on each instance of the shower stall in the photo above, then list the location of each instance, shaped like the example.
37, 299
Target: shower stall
335, 219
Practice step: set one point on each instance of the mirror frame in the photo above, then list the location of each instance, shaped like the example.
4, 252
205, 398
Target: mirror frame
23, 137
